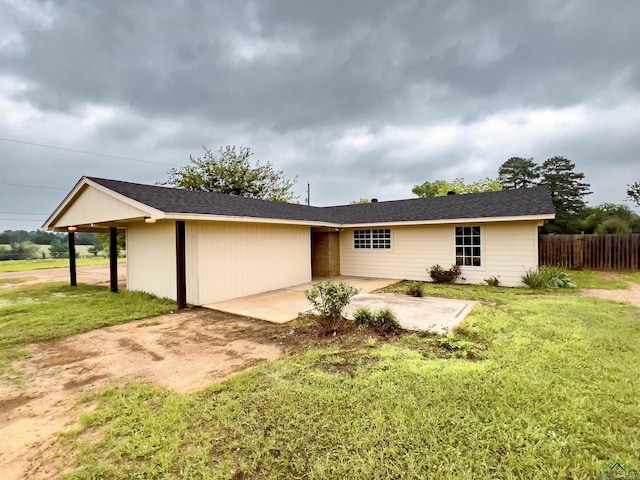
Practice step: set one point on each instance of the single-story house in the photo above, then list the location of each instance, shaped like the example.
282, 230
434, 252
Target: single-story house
204, 248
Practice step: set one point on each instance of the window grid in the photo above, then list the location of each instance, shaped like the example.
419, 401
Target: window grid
375, 239
468, 246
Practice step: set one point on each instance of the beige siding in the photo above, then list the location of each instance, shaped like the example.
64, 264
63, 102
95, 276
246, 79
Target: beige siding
508, 250
94, 206
239, 259
151, 253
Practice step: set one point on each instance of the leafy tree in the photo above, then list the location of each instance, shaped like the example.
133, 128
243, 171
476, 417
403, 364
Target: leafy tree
596, 216
58, 249
232, 172
96, 247
567, 193
633, 192
440, 188
519, 172
104, 239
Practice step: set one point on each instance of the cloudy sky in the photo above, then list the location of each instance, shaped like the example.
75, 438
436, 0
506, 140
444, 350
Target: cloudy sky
360, 99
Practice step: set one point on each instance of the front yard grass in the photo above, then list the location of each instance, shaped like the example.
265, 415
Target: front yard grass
56, 310
553, 394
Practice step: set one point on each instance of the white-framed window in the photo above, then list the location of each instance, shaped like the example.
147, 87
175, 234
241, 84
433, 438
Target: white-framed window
468, 246
372, 239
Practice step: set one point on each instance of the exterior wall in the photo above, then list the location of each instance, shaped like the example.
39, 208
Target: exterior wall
325, 254
151, 258
508, 250
235, 259
94, 206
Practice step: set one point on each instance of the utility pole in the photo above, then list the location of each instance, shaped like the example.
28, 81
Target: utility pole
308, 194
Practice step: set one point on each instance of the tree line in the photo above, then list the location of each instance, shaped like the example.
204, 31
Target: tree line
568, 191
24, 245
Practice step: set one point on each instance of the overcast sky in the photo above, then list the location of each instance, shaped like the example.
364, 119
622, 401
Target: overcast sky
359, 98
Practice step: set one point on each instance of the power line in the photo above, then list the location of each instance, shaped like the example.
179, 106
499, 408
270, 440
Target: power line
32, 186
21, 219
24, 213
85, 152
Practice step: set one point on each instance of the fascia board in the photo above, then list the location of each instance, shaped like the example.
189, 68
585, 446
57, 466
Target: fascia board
233, 218
525, 218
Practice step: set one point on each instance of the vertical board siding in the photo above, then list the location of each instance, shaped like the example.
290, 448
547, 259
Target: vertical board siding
151, 258
508, 250
239, 259
596, 252
93, 206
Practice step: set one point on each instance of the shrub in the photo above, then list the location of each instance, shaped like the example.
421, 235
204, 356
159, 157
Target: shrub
383, 321
364, 317
414, 289
548, 277
19, 251
492, 281
439, 275
386, 321
613, 225
329, 299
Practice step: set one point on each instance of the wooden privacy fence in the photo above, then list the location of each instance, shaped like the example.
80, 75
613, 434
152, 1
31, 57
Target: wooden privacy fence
597, 252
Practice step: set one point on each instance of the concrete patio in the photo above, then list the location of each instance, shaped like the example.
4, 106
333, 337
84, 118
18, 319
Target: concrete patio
281, 306
284, 305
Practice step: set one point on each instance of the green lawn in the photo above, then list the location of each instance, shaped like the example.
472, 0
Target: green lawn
42, 264
533, 386
56, 310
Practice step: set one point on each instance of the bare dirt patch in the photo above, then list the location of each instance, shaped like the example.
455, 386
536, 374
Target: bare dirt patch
183, 352
630, 295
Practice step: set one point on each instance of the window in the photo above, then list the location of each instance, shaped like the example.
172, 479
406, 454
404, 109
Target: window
468, 248
372, 239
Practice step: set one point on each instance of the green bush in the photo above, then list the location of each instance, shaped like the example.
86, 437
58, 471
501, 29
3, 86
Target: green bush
613, 226
19, 251
439, 275
548, 277
364, 317
386, 321
414, 289
492, 281
329, 299
383, 321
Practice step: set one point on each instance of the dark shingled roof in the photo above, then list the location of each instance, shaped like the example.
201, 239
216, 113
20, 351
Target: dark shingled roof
505, 203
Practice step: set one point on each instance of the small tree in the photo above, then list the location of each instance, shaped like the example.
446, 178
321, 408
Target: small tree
329, 299
58, 249
633, 192
96, 247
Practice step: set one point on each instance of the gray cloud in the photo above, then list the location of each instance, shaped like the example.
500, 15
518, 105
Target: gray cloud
347, 95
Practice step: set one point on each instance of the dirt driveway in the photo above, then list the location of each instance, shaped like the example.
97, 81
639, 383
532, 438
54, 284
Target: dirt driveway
184, 352
630, 295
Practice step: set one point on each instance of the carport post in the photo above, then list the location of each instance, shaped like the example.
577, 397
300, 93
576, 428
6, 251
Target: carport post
181, 270
113, 258
72, 259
